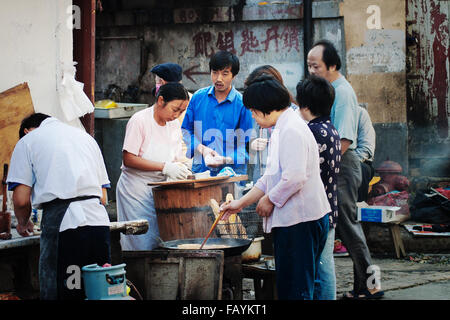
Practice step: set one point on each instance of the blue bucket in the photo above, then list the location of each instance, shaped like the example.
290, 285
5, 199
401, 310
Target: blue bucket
107, 283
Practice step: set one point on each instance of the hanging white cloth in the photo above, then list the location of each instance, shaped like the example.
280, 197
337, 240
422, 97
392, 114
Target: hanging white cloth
74, 102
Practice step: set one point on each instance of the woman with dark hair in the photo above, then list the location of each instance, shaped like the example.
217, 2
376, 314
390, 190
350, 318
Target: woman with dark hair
152, 151
260, 138
315, 96
290, 194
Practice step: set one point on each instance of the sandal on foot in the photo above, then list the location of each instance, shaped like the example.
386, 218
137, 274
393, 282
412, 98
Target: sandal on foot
367, 295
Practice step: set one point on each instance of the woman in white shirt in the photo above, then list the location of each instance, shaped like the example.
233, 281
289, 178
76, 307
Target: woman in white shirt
152, 151
290, 194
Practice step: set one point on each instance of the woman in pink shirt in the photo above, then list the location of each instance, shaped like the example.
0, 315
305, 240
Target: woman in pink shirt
152, 151
290, 194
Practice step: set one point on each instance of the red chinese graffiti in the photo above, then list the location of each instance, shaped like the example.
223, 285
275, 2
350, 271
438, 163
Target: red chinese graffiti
202, 44
271, 35
288, 39
249, 42
225, 41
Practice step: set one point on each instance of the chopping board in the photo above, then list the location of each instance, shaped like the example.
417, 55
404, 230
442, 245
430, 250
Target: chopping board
197, 183
15, 105
187, 181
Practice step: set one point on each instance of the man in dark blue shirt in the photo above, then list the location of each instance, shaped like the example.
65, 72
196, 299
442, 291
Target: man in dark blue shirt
217, 126
315, 97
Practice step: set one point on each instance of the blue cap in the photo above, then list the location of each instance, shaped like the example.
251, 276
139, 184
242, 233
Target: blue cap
170, 72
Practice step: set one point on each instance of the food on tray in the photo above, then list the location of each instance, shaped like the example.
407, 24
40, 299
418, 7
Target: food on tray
202, 175
196, 246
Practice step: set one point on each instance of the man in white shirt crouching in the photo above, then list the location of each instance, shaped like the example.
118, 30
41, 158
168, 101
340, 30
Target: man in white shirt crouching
60, 169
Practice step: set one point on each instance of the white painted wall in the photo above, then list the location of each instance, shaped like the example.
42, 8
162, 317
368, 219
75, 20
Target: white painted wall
36, 41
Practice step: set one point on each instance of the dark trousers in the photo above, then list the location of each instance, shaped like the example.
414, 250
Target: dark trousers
80, 247
348, 227
297, 256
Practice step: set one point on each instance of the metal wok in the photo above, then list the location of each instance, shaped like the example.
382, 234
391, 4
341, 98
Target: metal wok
234, 246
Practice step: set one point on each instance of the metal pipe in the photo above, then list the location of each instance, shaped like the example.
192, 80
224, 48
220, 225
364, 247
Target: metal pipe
307, 31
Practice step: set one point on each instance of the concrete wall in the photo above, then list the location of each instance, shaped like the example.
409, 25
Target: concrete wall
375, 55
36, 42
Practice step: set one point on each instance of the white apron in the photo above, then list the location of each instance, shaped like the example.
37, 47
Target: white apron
135, 198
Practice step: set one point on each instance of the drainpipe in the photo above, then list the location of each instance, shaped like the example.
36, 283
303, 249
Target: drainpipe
307, 31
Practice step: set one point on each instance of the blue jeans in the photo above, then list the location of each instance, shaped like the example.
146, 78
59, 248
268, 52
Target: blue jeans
325, 284
297, 254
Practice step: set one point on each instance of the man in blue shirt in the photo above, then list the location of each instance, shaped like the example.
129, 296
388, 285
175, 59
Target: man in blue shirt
323, 61
217, 126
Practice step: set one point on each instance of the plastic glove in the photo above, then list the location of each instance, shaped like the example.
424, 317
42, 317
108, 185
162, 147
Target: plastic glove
175, 170
259, 144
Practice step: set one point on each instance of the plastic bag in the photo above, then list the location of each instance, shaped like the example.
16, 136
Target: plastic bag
227, 171
74, 102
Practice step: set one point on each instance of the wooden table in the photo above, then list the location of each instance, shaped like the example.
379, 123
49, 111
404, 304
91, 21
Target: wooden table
397, 240
263, 279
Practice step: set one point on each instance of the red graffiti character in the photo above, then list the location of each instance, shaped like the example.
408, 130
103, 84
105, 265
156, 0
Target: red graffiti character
290, 37
201, 43
271, 34
249, 42
225, 41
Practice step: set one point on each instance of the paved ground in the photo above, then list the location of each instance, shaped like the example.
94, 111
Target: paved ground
432, 291
417, 277
398, 274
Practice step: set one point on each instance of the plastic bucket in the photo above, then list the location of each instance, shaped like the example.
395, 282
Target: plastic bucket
107, 283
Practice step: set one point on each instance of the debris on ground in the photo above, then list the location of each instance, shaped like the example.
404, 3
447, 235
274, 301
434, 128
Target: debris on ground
429, 258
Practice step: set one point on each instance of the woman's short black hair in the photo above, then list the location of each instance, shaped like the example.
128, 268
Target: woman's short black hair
317, 94
266, 94
223, 59
330, 55
173, 91
32, 121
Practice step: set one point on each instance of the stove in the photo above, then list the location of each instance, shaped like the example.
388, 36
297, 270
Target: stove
232, 278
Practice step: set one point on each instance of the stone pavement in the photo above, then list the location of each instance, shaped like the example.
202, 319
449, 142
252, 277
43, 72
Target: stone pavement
397, 273
406, 278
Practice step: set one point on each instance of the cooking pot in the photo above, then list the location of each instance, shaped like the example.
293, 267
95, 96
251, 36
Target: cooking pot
233, 247
253, 253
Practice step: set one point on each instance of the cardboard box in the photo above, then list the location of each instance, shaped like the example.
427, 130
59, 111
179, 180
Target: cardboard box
381, 214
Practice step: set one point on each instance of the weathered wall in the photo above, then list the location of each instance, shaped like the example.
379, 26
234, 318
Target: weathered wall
36, 42
375, 54
428, 86
133, 36
136, 38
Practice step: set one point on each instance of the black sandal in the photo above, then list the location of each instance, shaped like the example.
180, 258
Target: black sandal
370, 296
350, 296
